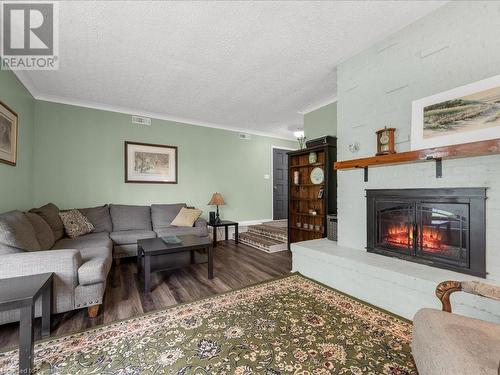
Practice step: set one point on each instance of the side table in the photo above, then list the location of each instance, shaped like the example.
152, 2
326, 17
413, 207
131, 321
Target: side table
226, 224
21, 293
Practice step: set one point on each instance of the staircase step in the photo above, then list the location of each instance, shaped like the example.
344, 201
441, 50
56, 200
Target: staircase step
269, 231
266, 244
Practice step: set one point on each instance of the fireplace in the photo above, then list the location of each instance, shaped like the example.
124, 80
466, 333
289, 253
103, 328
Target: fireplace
439, 227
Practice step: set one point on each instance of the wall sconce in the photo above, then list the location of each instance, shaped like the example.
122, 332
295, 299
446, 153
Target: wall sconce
354, 147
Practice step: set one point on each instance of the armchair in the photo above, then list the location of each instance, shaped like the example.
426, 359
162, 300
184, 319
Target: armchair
447, 343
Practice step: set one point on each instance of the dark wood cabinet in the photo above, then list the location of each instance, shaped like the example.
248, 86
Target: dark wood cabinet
309, 202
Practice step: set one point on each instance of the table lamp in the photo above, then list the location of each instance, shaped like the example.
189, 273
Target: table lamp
216, 201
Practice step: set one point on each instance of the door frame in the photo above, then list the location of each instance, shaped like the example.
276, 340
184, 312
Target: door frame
272, 175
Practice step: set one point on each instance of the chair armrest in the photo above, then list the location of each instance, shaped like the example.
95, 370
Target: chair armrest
446, 288
482, 289
64, 263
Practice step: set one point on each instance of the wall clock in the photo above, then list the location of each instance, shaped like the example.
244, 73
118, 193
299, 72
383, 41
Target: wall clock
385, 141
317, 176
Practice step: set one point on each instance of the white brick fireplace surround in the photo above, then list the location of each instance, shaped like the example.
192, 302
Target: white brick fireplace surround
393, 284
453, 46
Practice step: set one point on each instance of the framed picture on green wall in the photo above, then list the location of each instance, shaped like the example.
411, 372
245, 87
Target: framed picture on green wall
8, 135
150, 163
464, 114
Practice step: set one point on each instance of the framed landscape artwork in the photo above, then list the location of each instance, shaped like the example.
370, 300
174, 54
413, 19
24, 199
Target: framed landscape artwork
8, 135
465, 114
148, 163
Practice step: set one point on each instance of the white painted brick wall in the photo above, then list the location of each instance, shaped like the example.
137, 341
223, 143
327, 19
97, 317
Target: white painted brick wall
456, 45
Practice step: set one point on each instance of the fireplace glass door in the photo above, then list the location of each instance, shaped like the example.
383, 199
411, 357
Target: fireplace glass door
442, 232
395, 226
441, 227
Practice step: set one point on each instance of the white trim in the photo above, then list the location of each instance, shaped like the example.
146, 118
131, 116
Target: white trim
158, 116
241, 224
272, 174
26, 81
318, 105
246, 223
417, 129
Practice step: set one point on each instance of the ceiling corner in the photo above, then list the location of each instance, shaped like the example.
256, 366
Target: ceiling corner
318, 104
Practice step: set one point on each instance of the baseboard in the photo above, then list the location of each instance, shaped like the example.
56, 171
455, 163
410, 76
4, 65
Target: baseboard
252, 222
241, 228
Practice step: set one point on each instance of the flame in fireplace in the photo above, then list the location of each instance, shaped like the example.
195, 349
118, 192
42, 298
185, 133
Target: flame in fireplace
402, 236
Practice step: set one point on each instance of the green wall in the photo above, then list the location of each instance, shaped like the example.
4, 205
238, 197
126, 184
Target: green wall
16, 182
322, 121
79, 162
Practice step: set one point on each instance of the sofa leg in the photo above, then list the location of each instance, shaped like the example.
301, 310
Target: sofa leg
93, 311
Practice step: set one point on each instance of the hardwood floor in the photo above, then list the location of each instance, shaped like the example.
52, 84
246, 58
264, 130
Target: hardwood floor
235, 266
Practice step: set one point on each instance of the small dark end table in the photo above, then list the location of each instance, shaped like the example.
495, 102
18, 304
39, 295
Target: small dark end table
21, 293
151, 251
226, 224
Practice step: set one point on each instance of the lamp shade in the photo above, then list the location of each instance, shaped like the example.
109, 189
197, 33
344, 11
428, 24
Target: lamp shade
216, 200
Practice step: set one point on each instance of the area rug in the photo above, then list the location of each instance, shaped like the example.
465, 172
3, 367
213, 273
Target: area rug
291, 325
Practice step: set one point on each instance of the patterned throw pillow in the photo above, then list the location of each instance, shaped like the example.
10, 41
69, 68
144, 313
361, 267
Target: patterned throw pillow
75, 224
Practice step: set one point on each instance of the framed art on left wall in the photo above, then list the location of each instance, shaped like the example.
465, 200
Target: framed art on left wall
8, 135
150, 163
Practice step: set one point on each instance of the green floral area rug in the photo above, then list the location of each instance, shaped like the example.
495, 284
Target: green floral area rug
291, 325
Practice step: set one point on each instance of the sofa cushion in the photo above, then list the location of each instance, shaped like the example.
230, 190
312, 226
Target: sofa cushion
95, 267
127, 237
186, 217
162, 215
43, 232
99, 217
17, 233
5, 249
126, 217
177, 231
444, 343
95, 252
50, 213
75, 223
91, 240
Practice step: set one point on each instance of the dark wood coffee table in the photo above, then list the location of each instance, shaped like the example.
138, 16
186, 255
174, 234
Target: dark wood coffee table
151, 254
21, 293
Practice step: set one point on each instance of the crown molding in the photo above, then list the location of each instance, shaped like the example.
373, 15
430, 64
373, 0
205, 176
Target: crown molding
27, 82
319, 104
157, 116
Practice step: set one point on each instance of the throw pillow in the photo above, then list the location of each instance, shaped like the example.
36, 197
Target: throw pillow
75, 224
186, 217
99, 217
50, 213
17, 233
43, 232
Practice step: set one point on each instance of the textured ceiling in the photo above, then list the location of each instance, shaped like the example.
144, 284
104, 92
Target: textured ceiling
249, 66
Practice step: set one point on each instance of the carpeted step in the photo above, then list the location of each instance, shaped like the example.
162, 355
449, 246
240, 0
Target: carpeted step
266, 244
269, 231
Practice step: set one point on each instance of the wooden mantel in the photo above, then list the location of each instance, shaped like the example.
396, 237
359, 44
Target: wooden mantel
471, 149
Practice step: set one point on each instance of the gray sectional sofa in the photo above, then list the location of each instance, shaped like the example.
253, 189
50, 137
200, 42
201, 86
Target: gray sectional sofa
34, 242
